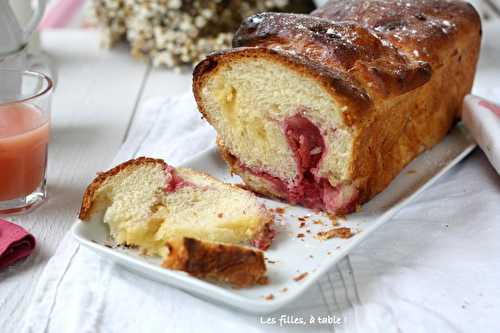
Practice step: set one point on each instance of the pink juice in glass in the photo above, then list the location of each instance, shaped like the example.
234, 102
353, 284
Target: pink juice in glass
24, 138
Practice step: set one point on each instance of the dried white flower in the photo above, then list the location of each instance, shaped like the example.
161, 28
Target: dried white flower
174, 32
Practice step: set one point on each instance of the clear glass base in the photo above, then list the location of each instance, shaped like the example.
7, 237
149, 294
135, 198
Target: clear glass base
24, 204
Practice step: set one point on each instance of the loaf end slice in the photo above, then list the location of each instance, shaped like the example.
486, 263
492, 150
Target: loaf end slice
145, 202
236, 265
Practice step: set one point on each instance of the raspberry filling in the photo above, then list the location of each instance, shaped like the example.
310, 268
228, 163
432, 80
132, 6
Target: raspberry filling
263, 239
309, 189
306, 141
176, 182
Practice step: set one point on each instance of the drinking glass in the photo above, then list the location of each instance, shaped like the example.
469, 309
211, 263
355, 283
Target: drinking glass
25, 101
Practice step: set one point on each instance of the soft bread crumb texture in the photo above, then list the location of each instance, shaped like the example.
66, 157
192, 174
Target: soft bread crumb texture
247, 102
127, 198
139, 212
211, 211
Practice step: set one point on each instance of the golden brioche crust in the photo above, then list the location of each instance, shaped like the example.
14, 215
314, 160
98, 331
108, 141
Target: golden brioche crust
345, 47
88, 195
340, 85
237, 265
408, 24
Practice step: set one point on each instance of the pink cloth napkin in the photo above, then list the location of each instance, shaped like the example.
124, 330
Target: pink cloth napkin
482, 118
15, 243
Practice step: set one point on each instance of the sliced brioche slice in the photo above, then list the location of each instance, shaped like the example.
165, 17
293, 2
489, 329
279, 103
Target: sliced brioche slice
237, 265
146, 203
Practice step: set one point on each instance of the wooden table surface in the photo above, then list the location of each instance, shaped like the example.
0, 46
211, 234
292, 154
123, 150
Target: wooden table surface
97, 94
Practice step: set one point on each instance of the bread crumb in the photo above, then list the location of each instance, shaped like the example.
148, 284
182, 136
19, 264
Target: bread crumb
269, 297
318, 222
220, 215
280, 210
284, 290
300, 277
302, 225
342, 232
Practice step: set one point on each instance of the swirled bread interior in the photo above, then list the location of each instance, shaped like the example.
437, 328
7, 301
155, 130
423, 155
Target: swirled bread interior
146, 203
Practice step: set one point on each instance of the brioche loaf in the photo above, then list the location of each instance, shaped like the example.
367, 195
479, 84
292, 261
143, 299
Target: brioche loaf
146, 203
324, 110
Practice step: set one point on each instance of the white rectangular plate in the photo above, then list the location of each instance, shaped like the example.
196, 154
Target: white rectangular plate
291, 255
